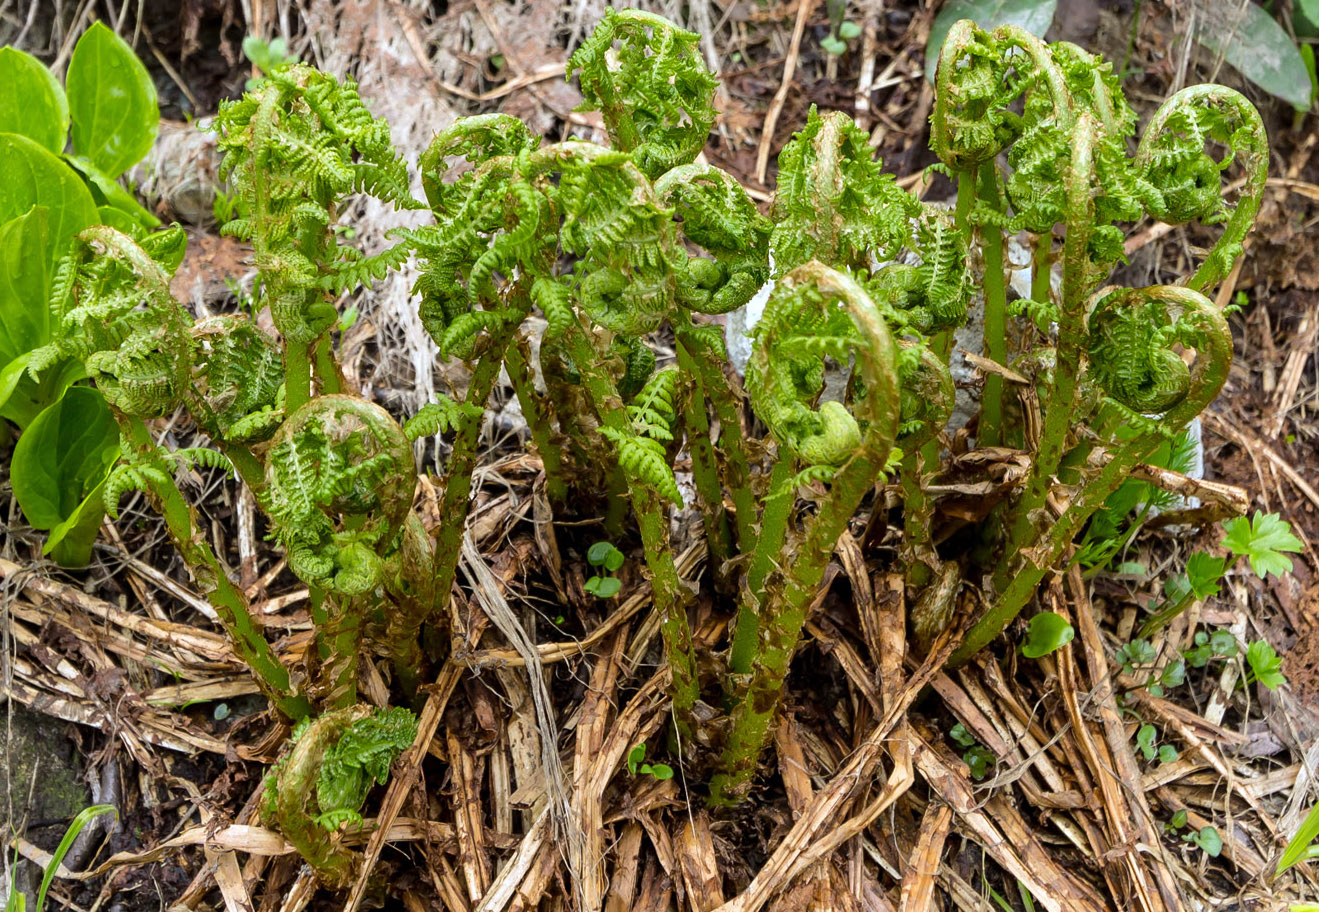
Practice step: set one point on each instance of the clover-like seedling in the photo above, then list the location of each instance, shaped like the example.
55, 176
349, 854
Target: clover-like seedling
1147, 740
636, 763
1048, 632
976, 756
1207, 838
606, 557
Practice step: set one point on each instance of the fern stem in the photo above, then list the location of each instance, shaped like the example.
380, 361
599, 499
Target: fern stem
551, 457
917, 520
779, 502
209, 574
327, 367
652, 522
705, 472
996, 306
455, 503
297, 377
1060, 401
1041, 274
726, 403
782, 618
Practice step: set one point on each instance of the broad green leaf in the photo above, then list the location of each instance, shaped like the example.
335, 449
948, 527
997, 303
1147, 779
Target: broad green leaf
112, 100
70, 543
1035, 16
110, 194
1300, 845
23, 397
26, 260
31, 176
1145, 736
32, 102
1048, 631
1263, 53
63, 456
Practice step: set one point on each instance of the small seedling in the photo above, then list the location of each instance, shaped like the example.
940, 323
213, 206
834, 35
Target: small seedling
1219, 644
1262, 539
1265, 665
636, 764
1048, 632
1147, 741
977, 757
1135, 655
606, 557
1207, 838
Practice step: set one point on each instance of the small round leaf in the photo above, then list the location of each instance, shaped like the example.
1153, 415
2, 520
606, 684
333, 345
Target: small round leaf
1048, 632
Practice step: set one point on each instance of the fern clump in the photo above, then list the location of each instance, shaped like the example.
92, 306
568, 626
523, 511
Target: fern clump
847, 395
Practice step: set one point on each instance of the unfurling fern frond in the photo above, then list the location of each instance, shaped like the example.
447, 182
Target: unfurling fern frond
293, 147
652, 90
192, 457
555, 301
1132, 332
833, 203
803, 325
339, 478
645, 462
440, 417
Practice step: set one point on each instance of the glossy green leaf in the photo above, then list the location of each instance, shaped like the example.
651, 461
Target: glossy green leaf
1035, 16
23, 397
70, 543
31, 176
1263, 53
32, 102
26, 260
1048, 631
112, 101
110, 194
62, 457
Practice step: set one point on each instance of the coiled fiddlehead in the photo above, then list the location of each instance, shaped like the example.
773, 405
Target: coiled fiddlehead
717, 214
1132, 333
812, 299
324, 779
932, 295
647, 79
123, 324
238, 379
833, 203
339, 481
293, 147
1173, 157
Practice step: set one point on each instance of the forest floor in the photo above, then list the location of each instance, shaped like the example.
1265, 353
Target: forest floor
121, 691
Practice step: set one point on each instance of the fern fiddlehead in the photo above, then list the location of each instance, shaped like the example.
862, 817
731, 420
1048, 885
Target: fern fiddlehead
322, 782
647, 79
1173, 158
814, 312
293, 147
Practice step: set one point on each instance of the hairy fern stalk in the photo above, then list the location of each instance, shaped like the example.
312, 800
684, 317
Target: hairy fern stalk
614, 243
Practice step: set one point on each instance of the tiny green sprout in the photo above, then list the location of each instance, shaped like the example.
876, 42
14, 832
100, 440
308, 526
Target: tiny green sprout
348, 318
1302, 847
1208, 839
265, 56
1265, 665
636, 764
1219, 644
221, 712
605, 556
1135, 654
977, 757
1146, 740
1048, 632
